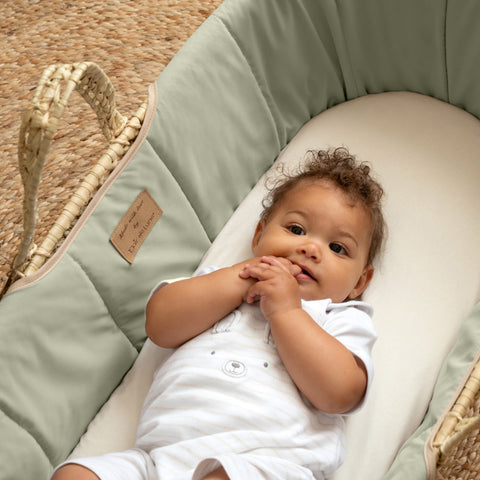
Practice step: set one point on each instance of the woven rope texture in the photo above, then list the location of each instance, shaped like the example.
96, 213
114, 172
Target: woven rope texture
463, 461
131, 40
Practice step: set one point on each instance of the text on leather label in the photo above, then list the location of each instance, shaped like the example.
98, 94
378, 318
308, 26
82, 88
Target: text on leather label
135, 225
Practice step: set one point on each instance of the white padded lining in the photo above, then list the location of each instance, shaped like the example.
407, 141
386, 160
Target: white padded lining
425, 153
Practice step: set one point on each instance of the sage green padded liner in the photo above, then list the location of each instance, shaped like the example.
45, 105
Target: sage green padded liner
230, 100
410, 461
68, 339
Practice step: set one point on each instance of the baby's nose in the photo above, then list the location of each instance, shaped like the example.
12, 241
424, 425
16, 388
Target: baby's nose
311, 250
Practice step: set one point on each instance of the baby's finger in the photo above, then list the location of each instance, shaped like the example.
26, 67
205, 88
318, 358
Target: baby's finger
245, 273
283, 263
251, 296
277, 261
256, 271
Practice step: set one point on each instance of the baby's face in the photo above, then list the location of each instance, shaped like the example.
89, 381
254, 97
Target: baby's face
317, 227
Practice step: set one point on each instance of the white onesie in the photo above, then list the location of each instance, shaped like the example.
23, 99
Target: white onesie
225, 398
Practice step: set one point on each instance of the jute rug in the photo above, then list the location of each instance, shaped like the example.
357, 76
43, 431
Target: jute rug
131, 40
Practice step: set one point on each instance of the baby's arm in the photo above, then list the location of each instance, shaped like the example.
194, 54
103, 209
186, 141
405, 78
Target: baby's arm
181, 310
323, 369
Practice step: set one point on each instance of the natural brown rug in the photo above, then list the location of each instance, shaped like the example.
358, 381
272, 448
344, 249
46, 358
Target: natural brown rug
131, 40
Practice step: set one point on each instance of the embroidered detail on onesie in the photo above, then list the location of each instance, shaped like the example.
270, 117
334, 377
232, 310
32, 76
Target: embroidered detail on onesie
234, 368
226, 323
267, 335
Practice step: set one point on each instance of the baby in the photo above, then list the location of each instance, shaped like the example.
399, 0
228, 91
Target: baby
272, 351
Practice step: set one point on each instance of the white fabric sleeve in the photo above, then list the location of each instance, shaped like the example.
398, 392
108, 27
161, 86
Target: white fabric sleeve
162, 283
351, 324
353, 327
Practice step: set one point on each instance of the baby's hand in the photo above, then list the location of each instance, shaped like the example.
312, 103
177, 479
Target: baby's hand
276, 287
280, 262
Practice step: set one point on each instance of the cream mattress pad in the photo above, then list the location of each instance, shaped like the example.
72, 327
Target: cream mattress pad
426, 155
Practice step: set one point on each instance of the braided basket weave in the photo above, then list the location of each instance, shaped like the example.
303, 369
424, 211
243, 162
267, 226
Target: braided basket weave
456, 443
39, 123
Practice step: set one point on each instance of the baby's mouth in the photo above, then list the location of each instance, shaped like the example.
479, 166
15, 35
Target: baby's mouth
304, 274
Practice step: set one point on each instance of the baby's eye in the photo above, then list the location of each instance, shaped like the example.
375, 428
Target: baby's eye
296, 230
337, 248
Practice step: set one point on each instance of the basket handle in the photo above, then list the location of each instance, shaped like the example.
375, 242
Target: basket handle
39, 123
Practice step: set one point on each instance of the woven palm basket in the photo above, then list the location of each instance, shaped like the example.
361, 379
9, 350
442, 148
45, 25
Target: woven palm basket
456, 441
132, 41
81, 137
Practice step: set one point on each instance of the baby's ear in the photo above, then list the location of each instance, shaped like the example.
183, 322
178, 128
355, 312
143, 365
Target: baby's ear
363, 282
258, 233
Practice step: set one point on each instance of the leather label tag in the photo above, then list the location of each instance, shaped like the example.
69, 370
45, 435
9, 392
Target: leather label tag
135, 225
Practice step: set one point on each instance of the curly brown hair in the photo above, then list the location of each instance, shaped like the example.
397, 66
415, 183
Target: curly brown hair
340, 168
